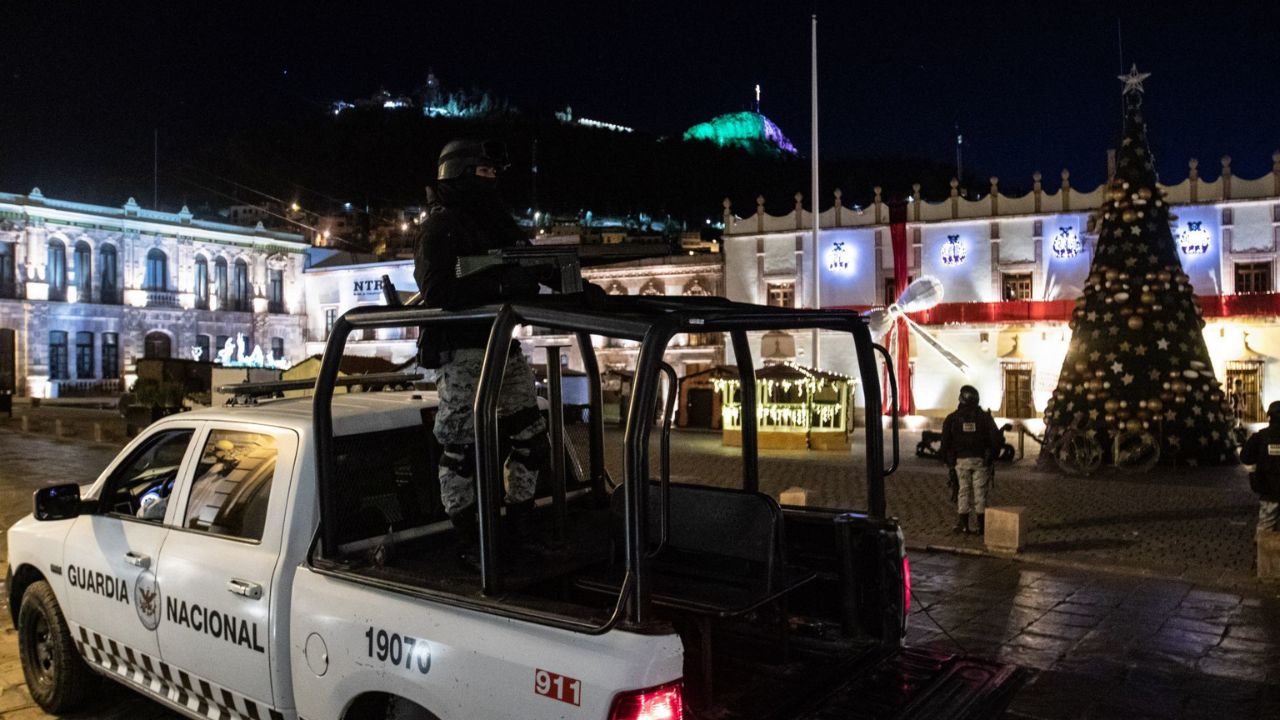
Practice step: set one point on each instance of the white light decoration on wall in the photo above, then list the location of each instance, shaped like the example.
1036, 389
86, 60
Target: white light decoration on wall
232, 355
954, 251
840, 259
1066, 244
1194, 240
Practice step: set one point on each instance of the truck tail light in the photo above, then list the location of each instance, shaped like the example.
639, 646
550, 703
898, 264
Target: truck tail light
664, 702
906, 586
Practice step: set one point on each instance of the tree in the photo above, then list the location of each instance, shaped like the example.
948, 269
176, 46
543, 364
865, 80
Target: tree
1137, 368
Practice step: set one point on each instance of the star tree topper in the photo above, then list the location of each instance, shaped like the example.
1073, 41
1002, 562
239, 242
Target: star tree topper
1133, 80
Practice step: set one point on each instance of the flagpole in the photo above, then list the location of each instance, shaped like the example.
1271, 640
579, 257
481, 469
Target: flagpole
813, 189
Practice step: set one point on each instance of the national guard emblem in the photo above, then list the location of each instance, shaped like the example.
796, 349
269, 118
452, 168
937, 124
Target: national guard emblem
147, 599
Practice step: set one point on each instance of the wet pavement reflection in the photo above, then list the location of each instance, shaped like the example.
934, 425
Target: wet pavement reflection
1103, 645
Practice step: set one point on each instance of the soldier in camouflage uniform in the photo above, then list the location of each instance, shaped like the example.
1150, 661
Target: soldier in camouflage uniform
466, 216
519, 419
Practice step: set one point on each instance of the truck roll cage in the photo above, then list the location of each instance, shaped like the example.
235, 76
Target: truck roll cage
652, 321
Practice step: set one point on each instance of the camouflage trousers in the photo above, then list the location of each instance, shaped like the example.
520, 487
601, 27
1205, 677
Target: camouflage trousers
974, 478
519, 419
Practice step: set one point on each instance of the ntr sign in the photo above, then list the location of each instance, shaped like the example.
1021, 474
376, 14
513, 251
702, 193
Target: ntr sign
364, 288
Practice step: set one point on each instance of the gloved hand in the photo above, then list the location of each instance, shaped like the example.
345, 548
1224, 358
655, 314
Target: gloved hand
516, 282
594, 295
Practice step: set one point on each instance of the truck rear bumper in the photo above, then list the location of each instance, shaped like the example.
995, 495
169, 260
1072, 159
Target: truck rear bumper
918, 683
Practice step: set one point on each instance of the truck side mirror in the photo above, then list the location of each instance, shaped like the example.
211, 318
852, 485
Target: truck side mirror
59, 502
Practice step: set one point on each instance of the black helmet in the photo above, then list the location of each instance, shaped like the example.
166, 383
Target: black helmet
1273, 412
459, 156
968, 395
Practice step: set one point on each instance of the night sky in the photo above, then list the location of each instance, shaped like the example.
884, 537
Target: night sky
1032, 84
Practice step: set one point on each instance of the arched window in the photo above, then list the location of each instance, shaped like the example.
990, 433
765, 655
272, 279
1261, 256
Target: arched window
202, 283
108, 274
242, 292
82, 266
695, 288
55, 270
275, 291
84, 355
220, 285
157, 275
58, 355
204, 343
110, 355
157, 345
8, 277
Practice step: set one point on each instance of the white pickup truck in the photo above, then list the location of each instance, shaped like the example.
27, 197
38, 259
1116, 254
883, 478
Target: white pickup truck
290, 559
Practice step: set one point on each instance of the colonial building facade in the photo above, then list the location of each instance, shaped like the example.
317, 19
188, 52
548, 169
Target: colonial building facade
86, 290
1011, 269
338, 282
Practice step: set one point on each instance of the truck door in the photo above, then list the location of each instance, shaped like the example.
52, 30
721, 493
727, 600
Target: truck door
219, 561
110, 556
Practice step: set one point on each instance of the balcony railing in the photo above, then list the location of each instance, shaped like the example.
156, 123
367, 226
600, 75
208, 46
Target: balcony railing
162, 298
88, 387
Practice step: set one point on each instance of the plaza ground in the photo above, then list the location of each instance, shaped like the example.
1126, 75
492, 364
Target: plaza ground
1135, 597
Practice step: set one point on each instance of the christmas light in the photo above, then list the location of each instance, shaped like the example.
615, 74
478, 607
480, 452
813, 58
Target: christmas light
1066, 244
1194, 240
840, 259
954, 251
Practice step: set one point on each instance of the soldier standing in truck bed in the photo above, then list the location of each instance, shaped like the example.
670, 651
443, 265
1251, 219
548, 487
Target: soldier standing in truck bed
466, 216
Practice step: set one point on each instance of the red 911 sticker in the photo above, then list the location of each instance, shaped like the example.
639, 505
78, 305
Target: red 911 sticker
557, 687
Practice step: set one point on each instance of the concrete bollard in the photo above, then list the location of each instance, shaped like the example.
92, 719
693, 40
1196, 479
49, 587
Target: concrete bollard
794, 496
1269, 555
26, 424
97, 432
1005, 531
57, 428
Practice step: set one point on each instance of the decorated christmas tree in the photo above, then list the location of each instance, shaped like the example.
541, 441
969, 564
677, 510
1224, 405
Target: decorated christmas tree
1137, 372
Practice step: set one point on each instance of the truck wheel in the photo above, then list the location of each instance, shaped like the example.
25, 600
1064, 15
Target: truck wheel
58, 679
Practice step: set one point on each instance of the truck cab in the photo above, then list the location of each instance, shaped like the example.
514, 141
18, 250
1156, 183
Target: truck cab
291, 558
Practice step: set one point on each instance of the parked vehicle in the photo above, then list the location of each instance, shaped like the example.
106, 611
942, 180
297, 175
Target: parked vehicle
290, 559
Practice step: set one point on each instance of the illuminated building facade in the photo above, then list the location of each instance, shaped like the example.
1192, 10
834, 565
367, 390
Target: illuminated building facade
337, 282
1011, 269
85, 290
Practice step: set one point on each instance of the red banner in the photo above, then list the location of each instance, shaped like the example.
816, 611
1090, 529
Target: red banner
1013, 311
897, 340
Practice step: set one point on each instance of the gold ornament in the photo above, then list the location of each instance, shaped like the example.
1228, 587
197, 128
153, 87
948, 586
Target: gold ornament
1135, 322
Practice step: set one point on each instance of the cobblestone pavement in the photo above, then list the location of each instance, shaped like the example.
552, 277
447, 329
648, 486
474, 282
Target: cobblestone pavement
1192, 524
1103, 645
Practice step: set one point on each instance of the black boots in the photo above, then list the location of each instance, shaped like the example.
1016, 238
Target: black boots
522, 537
962, 525
467, 527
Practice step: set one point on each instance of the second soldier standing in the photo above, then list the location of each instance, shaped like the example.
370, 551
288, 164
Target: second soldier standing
970, 443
